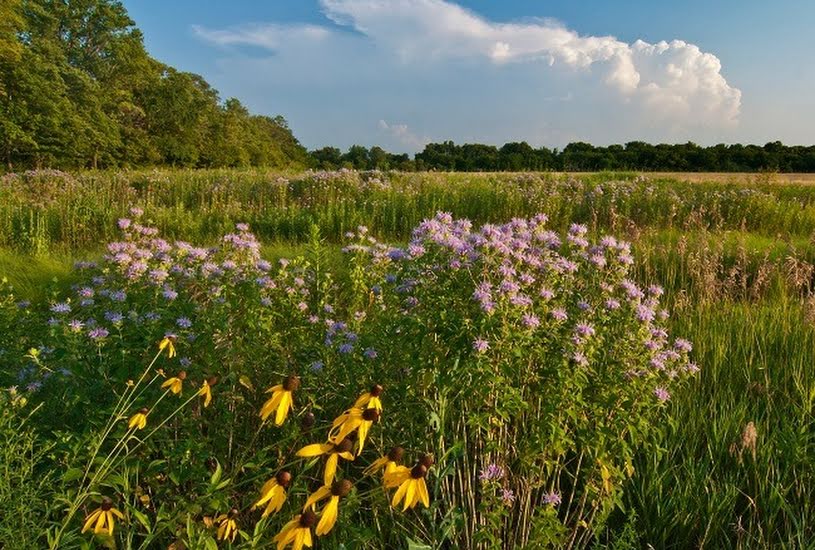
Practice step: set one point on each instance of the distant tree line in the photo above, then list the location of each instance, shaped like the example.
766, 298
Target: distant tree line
78, 90
578, 157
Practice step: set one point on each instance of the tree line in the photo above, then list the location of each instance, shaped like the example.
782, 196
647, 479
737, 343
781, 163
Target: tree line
78, 90
577, 157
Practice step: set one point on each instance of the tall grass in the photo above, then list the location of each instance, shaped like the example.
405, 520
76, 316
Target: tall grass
736, 470
42, 211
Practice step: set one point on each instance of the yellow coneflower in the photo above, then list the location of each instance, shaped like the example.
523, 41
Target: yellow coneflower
334, 452
273, 492
328, 518
387, 463
353, 419
101, 519
168, 343
175, 382
281, 401
139, 420
297, 532
228, 527
206, 390
412, 487
370, 399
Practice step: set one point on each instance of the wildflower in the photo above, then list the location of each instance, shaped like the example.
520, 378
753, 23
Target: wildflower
480, 345
662, 394
411, 484
206, 391
183, 322
101, 519
273, 492
62, 307
552, 498
353, 419
329, 515
168, 343
228, 528
370, 400
281, 400
334, 452
99, 333
387, 463
493, 471
297, 532
175, 382
508, 496
138, 420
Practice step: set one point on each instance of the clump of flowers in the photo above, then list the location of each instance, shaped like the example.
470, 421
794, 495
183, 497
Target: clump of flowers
539, 346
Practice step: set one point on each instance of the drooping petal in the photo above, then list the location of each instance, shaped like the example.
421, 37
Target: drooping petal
315, 449
91, 519
110, 522
330, 469
283, 408
423, 494
400, 492
318, 495
410, 493
329, 517
271, 404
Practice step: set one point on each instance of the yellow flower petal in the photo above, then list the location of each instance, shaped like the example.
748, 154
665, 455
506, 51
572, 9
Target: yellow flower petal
329, 517
315, 449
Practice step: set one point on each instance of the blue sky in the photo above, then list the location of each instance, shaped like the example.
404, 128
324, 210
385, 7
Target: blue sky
400, 73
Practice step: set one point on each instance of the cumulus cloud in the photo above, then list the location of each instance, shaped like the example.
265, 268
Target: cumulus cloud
437, 65
673, 79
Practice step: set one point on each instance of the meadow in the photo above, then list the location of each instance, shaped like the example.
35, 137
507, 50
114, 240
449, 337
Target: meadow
573, 390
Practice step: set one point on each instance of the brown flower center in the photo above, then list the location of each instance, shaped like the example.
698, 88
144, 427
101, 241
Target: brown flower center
396, 454
107, 504
308, 519
418, 472
343, 446
182, 375
376, 390
291, 383
283, 478
427, 461
370, 415
341, 488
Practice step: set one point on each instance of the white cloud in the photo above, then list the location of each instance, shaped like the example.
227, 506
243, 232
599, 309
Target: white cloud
458, 75
672, 79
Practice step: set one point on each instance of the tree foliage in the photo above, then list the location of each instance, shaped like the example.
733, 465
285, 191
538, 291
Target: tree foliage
78, 90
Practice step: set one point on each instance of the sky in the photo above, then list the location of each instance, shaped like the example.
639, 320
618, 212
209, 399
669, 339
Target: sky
403, 73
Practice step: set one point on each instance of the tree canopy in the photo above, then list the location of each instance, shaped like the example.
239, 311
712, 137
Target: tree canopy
78, 90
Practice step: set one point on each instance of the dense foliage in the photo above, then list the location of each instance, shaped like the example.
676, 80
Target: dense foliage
78, 90
577, 157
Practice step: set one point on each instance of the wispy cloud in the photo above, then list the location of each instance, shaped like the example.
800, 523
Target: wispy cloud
402, 134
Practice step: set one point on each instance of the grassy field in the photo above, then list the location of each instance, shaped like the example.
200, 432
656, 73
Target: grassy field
734, 461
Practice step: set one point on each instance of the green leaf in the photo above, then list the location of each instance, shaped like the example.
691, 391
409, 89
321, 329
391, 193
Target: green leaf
143, 519
413, 545
72, 474
216, 476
